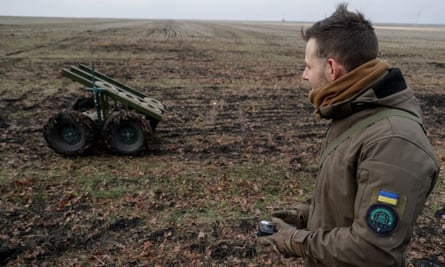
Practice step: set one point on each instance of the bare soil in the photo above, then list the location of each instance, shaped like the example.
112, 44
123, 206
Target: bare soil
239, 140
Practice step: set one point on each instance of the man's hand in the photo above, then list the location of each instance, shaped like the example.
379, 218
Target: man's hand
283, 240
293, 217
297, 216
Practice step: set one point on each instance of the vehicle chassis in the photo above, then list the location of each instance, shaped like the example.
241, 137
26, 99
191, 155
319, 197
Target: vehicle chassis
121, 117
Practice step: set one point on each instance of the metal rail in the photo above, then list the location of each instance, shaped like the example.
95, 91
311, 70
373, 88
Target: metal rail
115, 90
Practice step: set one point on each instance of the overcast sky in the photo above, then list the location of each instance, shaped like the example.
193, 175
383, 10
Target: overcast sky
379, 11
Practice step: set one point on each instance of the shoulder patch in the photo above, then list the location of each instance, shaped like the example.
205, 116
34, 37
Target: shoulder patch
388, 198
382, 219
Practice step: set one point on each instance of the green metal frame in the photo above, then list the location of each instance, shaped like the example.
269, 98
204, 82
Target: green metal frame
106, 89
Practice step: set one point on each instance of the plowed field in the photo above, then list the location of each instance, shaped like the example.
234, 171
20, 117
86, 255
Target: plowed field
239, 139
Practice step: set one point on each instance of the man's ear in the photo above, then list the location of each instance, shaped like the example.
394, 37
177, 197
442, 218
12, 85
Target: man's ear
335, 70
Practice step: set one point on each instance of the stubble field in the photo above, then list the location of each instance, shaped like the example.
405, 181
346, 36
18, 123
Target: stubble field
239, 139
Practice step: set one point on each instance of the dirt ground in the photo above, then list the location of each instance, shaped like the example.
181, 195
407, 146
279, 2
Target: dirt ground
239, 139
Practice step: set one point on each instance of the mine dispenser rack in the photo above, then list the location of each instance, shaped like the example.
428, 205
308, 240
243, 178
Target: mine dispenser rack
122, 95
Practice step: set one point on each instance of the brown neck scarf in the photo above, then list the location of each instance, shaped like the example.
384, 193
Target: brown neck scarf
348, 85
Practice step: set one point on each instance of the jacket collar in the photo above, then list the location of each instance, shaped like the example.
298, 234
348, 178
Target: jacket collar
380, 93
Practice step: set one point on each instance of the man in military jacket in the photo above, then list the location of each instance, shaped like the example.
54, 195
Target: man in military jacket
377, 166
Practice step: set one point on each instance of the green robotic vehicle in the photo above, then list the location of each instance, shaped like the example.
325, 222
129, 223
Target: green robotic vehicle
121, 117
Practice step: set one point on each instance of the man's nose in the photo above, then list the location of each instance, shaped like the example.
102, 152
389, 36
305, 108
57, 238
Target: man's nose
304, 75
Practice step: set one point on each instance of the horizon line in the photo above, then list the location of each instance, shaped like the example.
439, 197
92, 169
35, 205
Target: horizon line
283, 20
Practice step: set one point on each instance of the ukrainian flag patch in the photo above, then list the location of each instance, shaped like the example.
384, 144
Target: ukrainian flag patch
388, 198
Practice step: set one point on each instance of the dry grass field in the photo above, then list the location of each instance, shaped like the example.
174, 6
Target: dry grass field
239, 139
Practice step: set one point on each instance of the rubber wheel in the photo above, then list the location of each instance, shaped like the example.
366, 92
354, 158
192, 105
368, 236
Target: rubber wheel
70, 133
126, 132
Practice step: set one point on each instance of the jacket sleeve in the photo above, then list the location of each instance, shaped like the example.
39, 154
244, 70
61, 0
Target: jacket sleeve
382, 223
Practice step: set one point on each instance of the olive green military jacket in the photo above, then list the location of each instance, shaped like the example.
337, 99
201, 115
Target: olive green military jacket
373, 186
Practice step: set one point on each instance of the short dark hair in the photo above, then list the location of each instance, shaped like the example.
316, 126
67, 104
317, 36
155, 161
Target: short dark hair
345, 36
